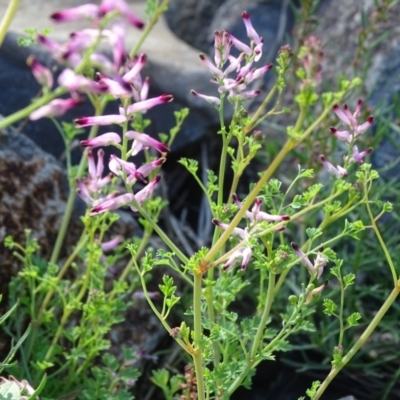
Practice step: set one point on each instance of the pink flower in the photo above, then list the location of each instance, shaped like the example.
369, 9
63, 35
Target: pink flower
351, 121
106, 139
142, 141
143, 106
138, 65
85, 11
145, 169
95, 181
243, 233
122, 7
243, 253
222, 46
112, 244
358, 156
117, 165
42, 74
339, 172
112, 204
215, 101
100, 120
251, 32
55, 108
116, 87
319, 263
73, 82
142, 195
256, 214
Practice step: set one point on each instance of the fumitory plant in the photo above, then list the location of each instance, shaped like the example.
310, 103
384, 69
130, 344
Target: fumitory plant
271, 239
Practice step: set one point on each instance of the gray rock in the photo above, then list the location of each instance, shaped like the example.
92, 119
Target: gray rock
190, 19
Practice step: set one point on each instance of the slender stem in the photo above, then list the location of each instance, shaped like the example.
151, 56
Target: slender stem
360, 342
7, 19
380, 239
161, 233
341, 332
81, 244
198, 331
264, 317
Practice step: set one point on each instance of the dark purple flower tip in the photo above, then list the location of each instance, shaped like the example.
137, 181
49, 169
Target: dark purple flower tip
335, 107
370, 119
234, 197
269, 66
294, 246
202, 56
280, 228
166, 98
245, 15
156, 179
285, 217
333, 130
216, 222
57, 16
321, 249
322, 158
359, 103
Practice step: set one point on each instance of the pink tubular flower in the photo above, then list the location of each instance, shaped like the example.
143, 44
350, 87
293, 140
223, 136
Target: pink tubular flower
117, 86
358, 156
112, 244
42, 74
143, 106
244, 253
251, 32
215, 101
122, 7
106, 139
100, 120
138, 65
85, 11
73, 82
256, 215
341, 135
222, 46
95, 181
117, 165
236, 231
339, 172
319, 264
142, 195
55, 108
142, 141
145, 169
351, 121
112, 204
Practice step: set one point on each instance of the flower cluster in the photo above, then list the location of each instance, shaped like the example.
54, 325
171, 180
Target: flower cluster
119, 78
254, 217
349, 137
242, 65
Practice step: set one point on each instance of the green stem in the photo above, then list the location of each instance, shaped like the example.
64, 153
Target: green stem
81, 244
7, 19
161, 233
380, 239
360, 342
264, 317
197, 353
